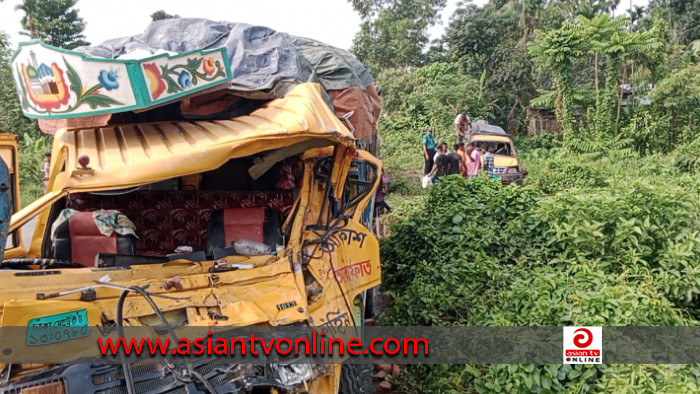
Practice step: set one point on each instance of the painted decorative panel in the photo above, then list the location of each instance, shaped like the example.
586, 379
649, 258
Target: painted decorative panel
54, 83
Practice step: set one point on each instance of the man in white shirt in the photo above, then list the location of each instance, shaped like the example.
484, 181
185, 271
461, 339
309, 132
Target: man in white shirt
462, 125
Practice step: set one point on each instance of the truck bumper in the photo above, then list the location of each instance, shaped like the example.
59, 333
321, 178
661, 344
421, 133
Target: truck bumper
158, 379
507, 179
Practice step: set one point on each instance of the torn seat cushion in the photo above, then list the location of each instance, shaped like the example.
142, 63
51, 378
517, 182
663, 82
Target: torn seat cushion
256, 224
79, 239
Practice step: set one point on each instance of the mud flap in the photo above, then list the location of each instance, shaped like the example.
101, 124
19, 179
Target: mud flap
6, 204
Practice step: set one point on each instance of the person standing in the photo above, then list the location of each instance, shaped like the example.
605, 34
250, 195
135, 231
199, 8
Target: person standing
462, 152
474, 161
442, 163
380, 206
462, 125
428, 150
488, 161
456, 160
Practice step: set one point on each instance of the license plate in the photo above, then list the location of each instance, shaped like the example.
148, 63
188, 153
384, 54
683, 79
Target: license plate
60, 327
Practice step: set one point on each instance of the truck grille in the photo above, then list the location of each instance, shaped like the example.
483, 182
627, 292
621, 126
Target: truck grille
150, 377
142, 386
53, 386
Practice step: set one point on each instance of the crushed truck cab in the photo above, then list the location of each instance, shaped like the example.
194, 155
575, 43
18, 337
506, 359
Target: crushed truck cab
259, 219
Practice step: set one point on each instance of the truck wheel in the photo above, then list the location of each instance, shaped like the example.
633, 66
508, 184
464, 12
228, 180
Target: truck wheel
349, 380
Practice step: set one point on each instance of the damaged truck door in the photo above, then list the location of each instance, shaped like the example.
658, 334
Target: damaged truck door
338, 249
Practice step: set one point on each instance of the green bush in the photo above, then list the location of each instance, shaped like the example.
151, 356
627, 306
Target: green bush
687, 157
542, 141
409, 184
649, 134
613, 242
31, 175
557, 177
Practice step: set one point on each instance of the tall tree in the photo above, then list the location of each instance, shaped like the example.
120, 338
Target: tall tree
532, 13
586, 8
394, 33
161, 14
55, 22
682, 15
556, 50
611, 45
30, 18
488, 42
475, 33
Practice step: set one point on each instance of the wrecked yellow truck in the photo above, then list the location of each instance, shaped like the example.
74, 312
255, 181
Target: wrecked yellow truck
231, 206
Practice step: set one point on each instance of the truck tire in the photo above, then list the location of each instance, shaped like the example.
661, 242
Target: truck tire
349, 380
370, 303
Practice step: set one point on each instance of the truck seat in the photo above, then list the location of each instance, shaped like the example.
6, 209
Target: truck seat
231, 224
168, 219
78, 239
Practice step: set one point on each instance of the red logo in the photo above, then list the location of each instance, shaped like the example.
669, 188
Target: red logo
582, 345
580, 338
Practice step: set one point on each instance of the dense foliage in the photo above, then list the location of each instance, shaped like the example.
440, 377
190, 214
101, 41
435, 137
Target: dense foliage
591, 240
32, 145
55, 22
11, 118
393, 33
629, 79
606, 230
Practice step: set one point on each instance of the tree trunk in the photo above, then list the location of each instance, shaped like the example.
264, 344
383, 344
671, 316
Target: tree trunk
597, 84
619, 101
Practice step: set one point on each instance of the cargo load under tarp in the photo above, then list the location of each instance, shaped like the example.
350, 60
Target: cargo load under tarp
265, 63
215, 70
262, 59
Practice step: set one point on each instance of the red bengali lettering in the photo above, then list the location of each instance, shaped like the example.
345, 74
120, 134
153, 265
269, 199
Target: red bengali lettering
351, 271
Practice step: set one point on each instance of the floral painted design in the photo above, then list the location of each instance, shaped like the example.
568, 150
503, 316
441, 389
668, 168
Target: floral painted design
185, 79
208, 66
155, 83
109, 79
179, 77
46, 86
49, 90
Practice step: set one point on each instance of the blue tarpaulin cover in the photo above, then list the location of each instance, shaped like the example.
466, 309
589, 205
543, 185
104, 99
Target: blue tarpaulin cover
263, 60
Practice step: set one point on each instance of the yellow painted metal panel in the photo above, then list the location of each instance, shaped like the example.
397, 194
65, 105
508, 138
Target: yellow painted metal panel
8, 156
136, 154
489, 137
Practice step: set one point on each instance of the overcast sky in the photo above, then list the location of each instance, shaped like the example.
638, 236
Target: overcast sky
330, 21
